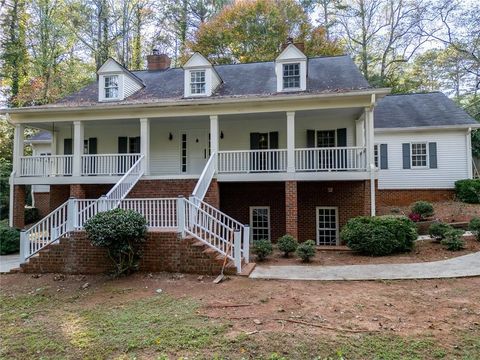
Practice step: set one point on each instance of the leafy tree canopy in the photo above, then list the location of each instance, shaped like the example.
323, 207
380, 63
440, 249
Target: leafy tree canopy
254, 30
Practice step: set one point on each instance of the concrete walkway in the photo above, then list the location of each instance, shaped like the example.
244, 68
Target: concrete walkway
9, 262
462, 266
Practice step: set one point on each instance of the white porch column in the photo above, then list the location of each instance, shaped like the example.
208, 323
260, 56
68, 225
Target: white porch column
77, 148
18, 148
145, 143
370, 142
214, 137
291, 141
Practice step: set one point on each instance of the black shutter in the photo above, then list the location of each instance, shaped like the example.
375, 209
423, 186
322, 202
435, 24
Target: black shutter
383, 156
254, 141
122, 145
273, 140
92, 145
432, 153
341, 137
136, 147
310, 138
406, 155
67, 147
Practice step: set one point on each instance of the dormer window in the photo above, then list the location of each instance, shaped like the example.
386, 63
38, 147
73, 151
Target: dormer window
291, 76
111, 87
197, 82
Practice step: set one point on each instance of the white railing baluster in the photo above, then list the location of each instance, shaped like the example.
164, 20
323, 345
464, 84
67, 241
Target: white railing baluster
331, 159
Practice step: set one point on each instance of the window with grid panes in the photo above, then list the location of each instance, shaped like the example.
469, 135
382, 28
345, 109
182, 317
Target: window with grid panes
111, 87
291, 76
260, 223
419, 155
197, 82
327, 226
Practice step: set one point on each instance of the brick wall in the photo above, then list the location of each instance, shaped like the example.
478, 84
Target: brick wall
162, 251
291, 208
58, 195
350, 197
236, 199
407, 197
173, 188
19, 197
42, 202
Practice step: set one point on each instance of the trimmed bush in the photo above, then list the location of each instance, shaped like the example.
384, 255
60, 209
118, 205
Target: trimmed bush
9, 239
453, 240
287, 244
474, 227
423, 208
438, 230
468, 190
31, 215
381, 235
306, 250
262, 248
121, 232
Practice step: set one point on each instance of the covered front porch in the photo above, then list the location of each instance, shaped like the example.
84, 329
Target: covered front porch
332, 143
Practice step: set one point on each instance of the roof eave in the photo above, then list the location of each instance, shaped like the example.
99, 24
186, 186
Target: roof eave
379, 93
438, 127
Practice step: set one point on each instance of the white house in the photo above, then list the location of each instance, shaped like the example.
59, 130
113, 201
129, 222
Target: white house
296, 145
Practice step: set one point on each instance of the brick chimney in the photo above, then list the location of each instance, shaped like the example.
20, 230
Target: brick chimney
299, 45
158, 61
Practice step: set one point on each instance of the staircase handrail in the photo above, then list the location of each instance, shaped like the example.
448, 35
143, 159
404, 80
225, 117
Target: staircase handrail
206, 177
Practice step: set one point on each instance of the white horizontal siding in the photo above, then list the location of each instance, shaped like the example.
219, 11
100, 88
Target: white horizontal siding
130, 86
451, 157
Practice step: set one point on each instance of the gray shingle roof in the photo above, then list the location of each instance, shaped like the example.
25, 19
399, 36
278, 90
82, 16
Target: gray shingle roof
325, 74
41, 136
417, 110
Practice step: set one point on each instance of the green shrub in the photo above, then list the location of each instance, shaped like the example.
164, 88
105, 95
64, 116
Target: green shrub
262, 248
423, 208
437, 230
9, 239
453, 240
121, 232
474, 227
468, 190
31, 215
287, 244
378, 236
306, 250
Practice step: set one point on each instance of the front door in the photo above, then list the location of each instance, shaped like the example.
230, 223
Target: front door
195, 142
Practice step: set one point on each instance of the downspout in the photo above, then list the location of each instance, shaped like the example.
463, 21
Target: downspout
469, 154
371, 160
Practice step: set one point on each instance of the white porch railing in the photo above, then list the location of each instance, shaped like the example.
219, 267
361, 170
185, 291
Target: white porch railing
107, 164
331, 159
46, 166
127, 182
205, 178
246, 161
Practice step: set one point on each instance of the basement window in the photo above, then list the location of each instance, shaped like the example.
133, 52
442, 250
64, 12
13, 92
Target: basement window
111, 87
260, 223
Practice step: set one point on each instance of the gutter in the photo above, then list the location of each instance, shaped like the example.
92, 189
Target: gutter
188, 102
426, 128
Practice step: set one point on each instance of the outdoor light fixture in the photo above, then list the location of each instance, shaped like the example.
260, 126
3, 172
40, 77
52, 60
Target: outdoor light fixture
170, 136
221, 134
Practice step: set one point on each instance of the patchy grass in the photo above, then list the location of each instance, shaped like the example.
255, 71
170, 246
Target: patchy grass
127, 319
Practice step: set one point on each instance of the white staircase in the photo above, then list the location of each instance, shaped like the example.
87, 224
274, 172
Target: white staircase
191, 216
64, 219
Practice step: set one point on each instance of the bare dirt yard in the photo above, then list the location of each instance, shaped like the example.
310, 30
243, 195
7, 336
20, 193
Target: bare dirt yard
94, 317
424, 251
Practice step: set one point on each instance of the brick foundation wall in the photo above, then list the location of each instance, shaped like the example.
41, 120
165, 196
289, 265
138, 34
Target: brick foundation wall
58, 195
351, 198
236, 199
173, 188
407, 197
291, 208
42, 202
19, 198
162, 251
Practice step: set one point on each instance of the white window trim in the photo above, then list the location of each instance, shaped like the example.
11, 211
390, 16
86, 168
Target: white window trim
204, 82
337, 227
299, 76
303, 74
269, 221
208, 82
427, 154
102, 87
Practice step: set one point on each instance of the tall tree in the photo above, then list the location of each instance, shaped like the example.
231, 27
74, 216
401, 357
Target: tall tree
254, 30
14, 55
